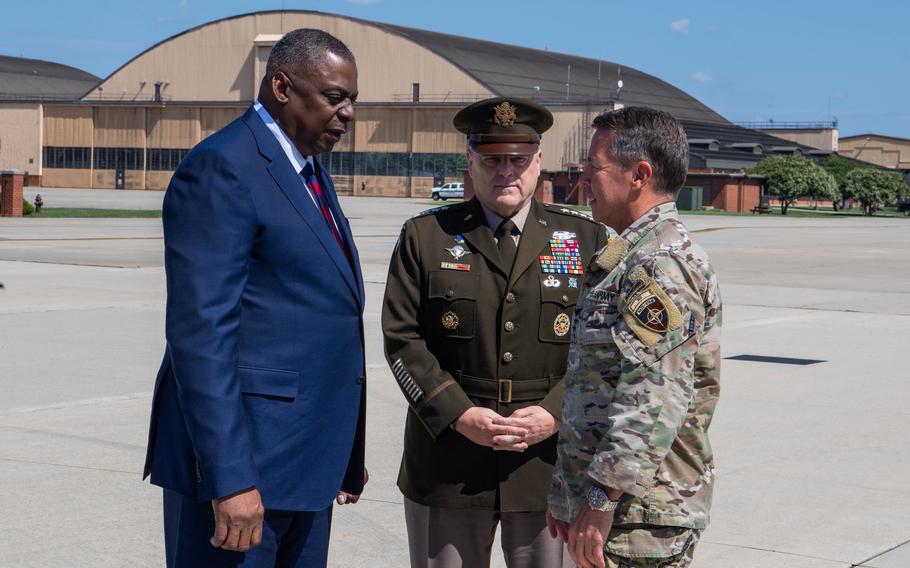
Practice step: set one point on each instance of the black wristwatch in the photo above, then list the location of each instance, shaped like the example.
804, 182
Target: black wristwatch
598, 500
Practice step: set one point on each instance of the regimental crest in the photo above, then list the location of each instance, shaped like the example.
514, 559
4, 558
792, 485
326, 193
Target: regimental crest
505, 114
561, 325
450, 321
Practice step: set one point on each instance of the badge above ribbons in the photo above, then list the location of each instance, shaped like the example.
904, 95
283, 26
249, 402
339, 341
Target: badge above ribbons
649, 311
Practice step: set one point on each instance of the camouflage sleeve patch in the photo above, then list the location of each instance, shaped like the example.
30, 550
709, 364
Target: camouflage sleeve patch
649, 312
612, 254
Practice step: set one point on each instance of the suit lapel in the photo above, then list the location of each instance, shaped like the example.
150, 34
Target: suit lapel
476, 232
534, 237
343, 225
291, 184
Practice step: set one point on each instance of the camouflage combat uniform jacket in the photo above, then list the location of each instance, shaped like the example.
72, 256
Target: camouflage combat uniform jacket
642, 380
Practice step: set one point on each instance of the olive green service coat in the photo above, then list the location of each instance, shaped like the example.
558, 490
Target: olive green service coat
461, 330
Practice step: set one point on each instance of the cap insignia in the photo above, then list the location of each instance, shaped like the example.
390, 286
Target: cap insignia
505, 114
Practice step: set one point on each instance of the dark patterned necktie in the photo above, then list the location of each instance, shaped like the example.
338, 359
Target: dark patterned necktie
309, 175
507, 248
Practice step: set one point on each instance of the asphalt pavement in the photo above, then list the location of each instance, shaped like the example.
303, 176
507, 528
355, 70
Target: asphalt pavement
812, 458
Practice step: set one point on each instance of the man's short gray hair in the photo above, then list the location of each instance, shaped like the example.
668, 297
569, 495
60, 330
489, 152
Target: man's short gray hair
303, 50
650, 135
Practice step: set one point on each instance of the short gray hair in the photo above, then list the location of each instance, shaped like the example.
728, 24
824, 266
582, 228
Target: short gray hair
303, 50
651, 135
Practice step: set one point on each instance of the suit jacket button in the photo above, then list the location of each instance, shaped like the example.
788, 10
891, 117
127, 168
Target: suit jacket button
509, 326
510, 297
565, 298
450, 293
507, 357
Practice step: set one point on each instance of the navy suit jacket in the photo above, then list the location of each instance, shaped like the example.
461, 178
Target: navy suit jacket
263, 379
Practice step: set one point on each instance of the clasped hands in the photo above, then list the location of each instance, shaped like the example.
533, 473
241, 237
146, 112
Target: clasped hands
514, 433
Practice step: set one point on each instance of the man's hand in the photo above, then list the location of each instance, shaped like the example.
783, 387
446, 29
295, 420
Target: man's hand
476, 424
587, 535
238, 520
557, 528
536, 420
344, 497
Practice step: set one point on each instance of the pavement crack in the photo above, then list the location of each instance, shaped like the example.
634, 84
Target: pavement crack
70, 466
816, 309
761, 549
871, 558
74, 437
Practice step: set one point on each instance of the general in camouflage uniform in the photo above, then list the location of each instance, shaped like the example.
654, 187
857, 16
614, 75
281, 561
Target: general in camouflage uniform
642, 378
467, 327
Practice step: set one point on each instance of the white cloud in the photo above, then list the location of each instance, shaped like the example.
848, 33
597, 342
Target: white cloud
680, 26
703, 77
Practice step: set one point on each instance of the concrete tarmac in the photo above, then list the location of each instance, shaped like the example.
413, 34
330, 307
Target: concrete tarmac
812, 459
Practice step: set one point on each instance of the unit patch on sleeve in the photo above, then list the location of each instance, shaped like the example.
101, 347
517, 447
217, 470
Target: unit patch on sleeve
649, 311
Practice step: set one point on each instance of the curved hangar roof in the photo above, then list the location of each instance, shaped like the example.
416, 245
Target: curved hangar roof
510, 70
222, 60
33, 79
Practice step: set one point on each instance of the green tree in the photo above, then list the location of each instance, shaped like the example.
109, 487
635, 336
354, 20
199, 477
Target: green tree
839, 167
791, 177
873, 188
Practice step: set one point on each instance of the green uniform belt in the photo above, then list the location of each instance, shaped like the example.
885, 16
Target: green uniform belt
507, 390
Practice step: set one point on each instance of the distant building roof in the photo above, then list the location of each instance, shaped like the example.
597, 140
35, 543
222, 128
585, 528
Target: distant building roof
36, 80
738, 147
872, 135
514, 71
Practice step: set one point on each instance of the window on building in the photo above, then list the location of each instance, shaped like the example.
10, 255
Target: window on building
119, 158
164, 159
67, 157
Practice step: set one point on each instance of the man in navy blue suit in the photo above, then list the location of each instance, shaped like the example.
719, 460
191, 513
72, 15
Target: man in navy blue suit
258, 415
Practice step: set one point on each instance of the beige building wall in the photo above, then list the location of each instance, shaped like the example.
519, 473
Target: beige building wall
173, 127
433, 131
881, 150
69, 126
214, 119
383, 130
223, 65
821, 138
20, 137
567, 140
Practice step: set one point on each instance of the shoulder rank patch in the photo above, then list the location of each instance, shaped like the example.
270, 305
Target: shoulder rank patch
432, 210
568, 211
649, 311
612, 254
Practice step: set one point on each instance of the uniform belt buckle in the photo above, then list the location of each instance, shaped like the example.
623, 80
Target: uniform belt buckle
505, 391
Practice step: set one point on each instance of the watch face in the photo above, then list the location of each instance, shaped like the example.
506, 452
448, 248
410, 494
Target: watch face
597, 498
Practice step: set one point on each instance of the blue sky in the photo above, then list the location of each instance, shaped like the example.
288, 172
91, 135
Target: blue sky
788, 61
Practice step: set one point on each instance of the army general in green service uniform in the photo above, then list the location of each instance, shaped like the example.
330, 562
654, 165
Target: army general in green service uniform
476, 318
633, 481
